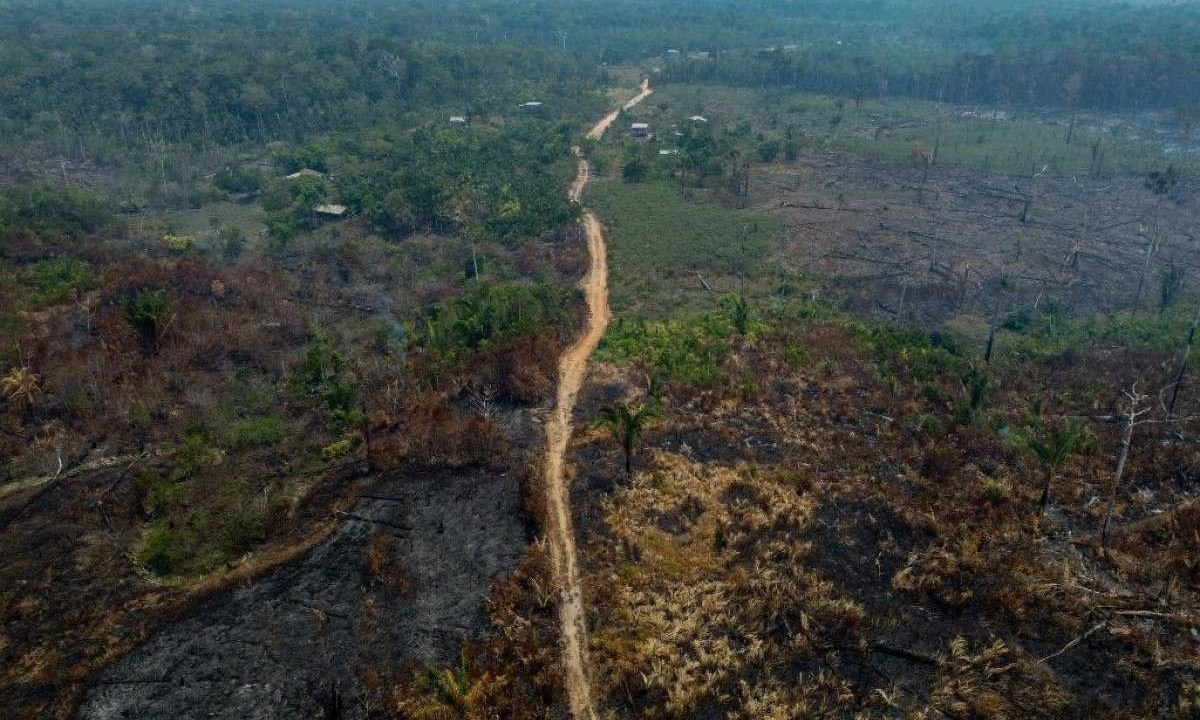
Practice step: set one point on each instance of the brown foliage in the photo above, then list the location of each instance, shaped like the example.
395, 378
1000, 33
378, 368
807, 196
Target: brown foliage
432, 432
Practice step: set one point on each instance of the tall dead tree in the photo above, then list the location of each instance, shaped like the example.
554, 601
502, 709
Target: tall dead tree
1134, 411
1152, 244
1184, 356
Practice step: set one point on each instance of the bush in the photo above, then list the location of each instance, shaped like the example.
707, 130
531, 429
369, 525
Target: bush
235, 242
147, 312
53, 211
238, 180
53, 280
255, 432
159, 550
688, 351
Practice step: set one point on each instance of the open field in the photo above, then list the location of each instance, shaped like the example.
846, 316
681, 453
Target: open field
662, 245
896, 129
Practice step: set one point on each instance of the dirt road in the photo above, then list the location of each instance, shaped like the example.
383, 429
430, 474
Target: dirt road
572, 367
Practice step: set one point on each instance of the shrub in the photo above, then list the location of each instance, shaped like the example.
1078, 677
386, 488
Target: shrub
53, 211
238, 180
178, 243
53, 280
994, 492
688, 351
147, 312
255, 432
234, 243
159, 550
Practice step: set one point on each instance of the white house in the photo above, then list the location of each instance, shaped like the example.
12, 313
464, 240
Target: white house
640, 130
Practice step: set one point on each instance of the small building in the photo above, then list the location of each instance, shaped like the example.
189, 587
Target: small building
306, 172
458, 121
699, 119
639, 130
531, 105
333, 211
671, 151
673, 52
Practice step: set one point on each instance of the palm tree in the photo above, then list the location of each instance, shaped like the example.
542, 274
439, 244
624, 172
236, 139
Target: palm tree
626, 425
1053, 452
451, 693
21, 386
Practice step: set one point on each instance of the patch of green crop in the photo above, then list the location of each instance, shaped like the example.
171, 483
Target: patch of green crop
661, 245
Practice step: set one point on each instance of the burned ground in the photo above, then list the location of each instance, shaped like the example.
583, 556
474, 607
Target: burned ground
400, 585
892, 245
910, 574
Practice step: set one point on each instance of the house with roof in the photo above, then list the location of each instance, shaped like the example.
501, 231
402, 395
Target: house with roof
306, 172
331, 211
639, 130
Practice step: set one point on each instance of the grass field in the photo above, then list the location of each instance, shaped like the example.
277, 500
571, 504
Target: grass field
659, 242
893, 130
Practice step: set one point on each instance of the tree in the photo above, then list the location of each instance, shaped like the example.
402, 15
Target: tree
1053, 451
626, 424
634, 171
1131, 421
449, 694
1185, 355
21, 386
148, 313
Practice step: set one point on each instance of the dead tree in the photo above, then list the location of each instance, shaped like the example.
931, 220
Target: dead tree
1185, 355
1151, 246
1134, 411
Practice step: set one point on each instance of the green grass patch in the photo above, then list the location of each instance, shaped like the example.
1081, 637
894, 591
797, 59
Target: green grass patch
658, 241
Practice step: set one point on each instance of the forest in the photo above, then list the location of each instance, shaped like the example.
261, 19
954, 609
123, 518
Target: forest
567, 359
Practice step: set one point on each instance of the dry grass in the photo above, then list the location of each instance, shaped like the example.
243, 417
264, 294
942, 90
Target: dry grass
850, 547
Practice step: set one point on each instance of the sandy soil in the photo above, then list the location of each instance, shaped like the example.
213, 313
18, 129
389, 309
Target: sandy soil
572, 369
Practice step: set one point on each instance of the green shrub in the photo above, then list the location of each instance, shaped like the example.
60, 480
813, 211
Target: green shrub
53, 280
159, 550
147, 312
688, 351
53, 211
491, 314
994, 492
238, 180
255, 431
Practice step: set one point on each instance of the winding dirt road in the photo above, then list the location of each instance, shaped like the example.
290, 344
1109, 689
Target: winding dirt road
572, 367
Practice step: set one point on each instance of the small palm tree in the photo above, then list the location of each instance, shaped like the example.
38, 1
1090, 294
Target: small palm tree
21, 386
451, 693
625, 424
1053, 451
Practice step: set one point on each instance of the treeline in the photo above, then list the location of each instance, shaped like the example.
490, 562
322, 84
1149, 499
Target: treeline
101, 79
1165, 77
104, 80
